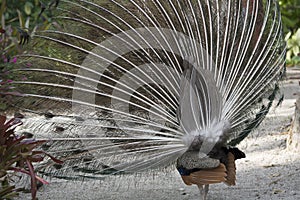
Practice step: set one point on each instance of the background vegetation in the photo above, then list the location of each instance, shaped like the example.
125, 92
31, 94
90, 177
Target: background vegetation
21, 18
290, 11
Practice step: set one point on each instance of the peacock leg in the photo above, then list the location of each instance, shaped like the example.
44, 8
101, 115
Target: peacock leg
206, 188
203, 191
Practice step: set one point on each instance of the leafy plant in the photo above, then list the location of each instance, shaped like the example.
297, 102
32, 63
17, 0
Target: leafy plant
18, 20
6, 89
290, 12
17, 154
293, 45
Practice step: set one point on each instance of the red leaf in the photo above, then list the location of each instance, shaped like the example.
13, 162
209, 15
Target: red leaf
12, 122
28, 173
36, 157
55, 159
33, 180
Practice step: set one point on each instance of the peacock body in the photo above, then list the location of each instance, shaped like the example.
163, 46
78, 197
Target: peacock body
154, 84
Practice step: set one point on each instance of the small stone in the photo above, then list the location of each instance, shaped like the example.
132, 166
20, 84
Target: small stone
59, 129
57, 166
49, 115
27, 134
79, 119
88, 159
268, 166
276, 175
277, 191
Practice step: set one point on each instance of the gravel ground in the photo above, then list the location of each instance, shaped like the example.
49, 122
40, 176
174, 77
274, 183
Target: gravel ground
269, 171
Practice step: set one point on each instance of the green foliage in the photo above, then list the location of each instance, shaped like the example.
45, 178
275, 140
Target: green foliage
17, 153
290, 13
19, 19
6, 78
293, 48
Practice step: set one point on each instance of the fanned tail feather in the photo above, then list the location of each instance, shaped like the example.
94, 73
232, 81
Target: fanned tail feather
136, 83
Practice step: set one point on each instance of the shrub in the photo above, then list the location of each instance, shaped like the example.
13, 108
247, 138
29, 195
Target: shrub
17, 154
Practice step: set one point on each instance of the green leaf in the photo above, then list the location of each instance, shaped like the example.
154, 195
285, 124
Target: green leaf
296, 59
296, 50
3, 7
288, 35
289, 55
21, 19
297, 34
27, 22
288, 21
28, 7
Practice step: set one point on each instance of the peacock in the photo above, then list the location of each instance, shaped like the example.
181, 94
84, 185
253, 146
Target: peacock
145, 85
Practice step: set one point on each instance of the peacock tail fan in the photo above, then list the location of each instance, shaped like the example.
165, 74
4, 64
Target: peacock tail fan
129, 86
